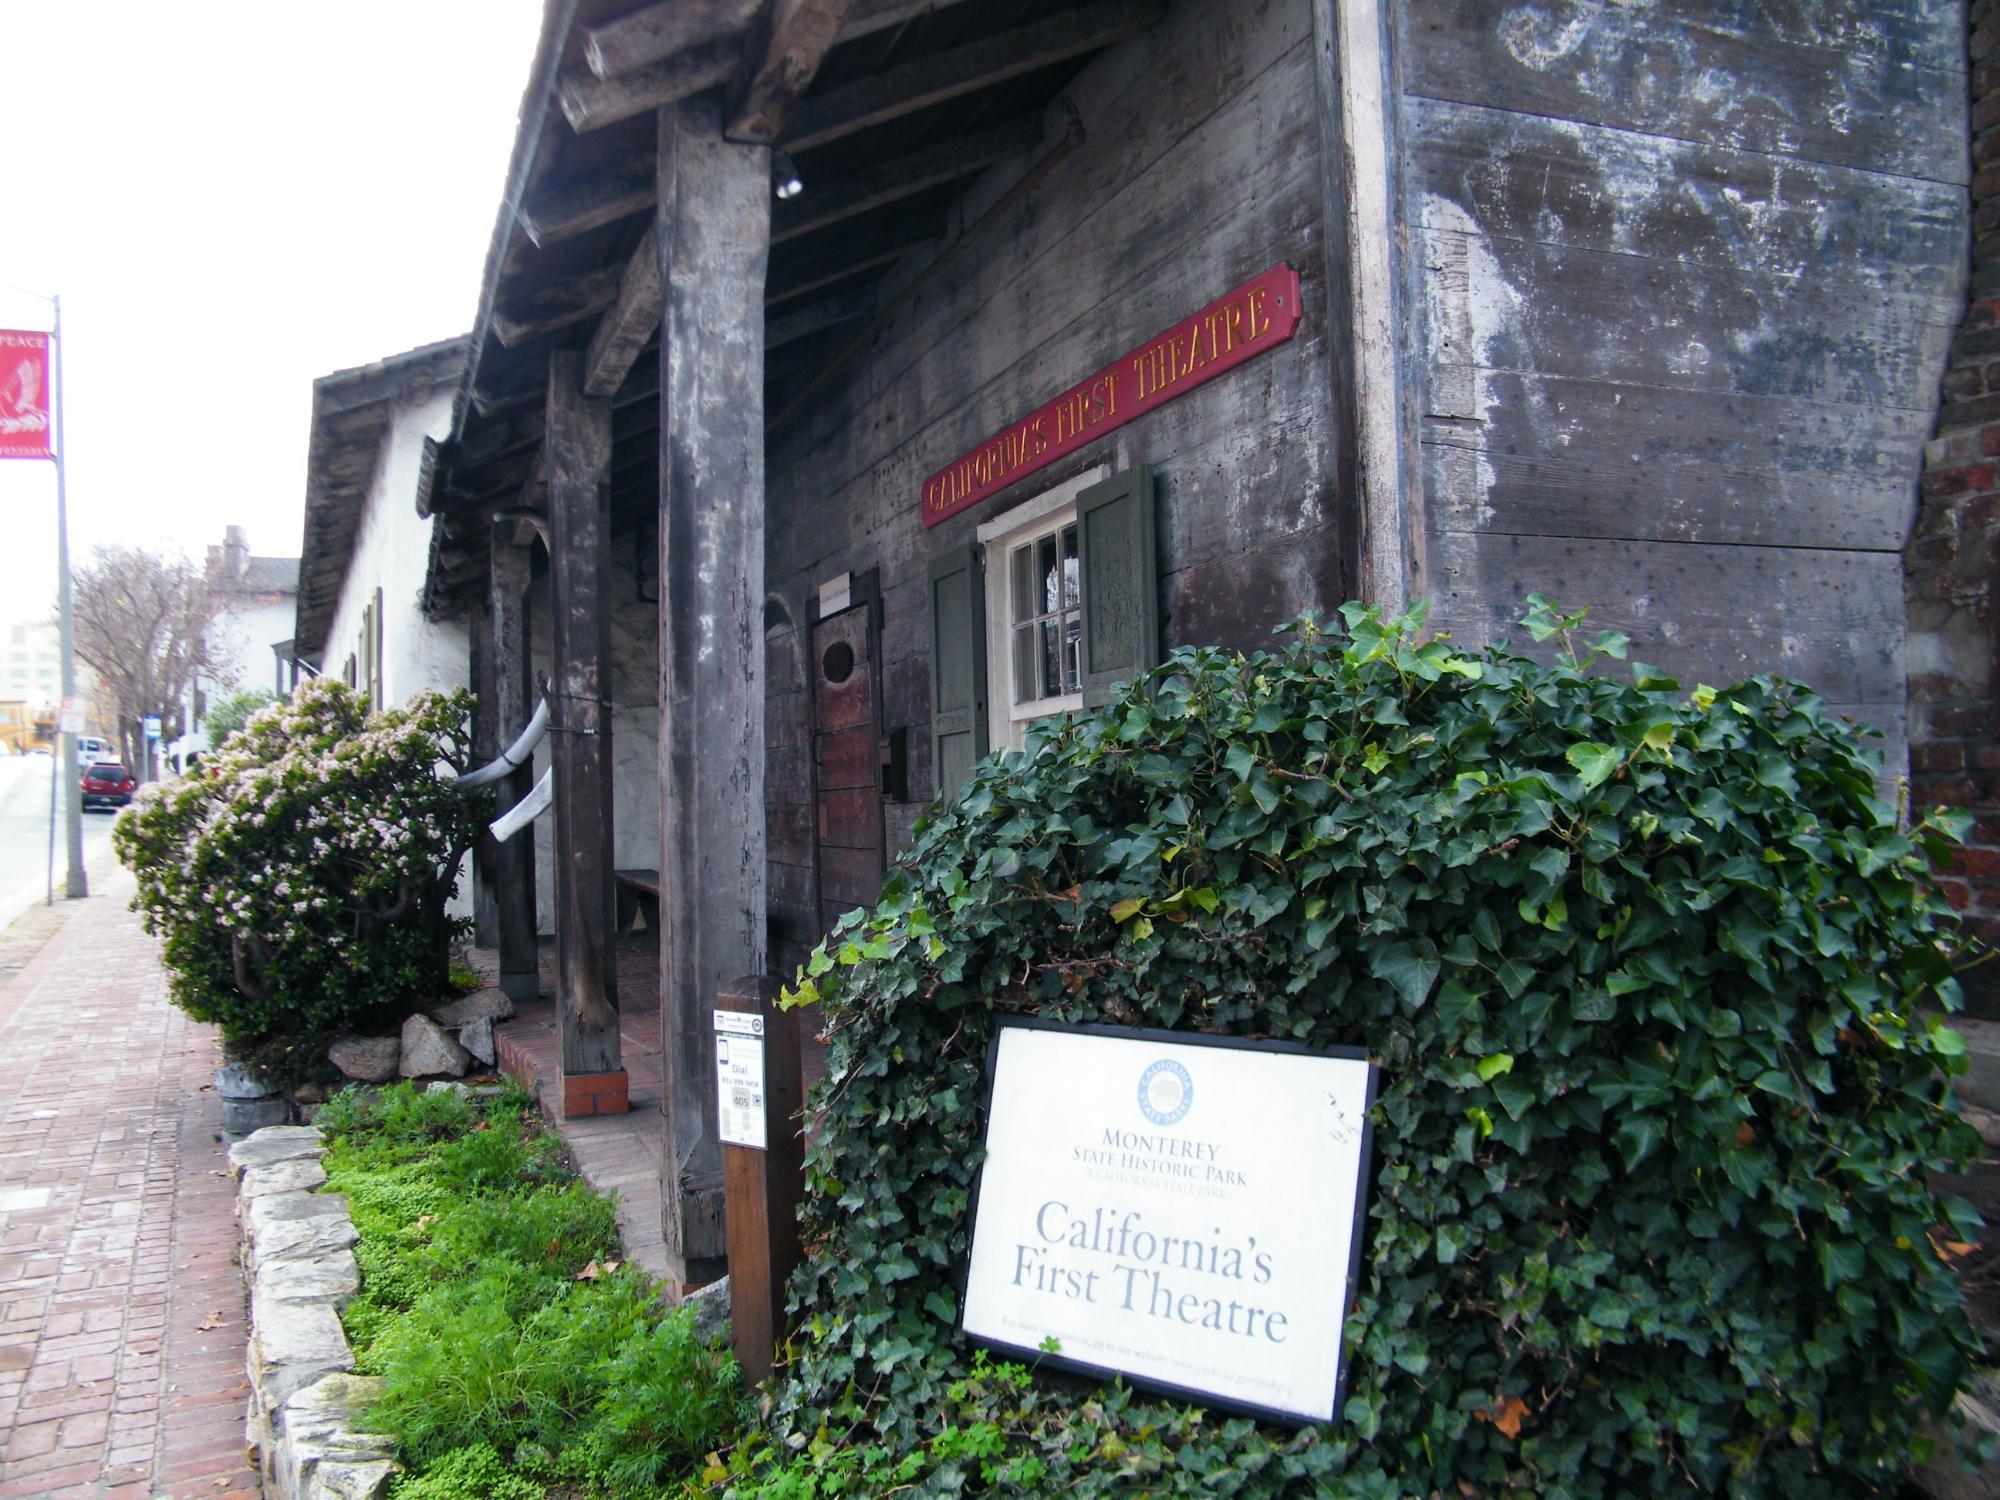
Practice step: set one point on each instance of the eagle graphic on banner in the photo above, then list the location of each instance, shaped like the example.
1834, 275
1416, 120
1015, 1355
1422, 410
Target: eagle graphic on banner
24, 399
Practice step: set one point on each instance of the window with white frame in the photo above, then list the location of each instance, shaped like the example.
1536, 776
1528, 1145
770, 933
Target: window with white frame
1034, 612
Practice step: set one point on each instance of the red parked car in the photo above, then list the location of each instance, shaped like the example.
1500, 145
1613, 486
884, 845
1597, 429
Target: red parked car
107, 784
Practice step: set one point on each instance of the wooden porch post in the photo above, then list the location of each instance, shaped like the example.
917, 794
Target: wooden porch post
485, 745
713, 232
513, 706
577, 446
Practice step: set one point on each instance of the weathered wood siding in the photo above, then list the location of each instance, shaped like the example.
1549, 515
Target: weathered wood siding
1200, 170
1683, 277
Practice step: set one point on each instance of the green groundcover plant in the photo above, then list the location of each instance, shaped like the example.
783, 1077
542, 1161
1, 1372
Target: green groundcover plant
518, 1355
300, 876
1650, 975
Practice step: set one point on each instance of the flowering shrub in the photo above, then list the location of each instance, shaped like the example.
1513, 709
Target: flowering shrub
300, 877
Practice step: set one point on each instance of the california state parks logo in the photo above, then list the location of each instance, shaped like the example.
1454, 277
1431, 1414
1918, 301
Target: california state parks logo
1165, 1092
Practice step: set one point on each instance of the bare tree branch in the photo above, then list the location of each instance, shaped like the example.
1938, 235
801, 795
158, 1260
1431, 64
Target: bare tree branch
142, 624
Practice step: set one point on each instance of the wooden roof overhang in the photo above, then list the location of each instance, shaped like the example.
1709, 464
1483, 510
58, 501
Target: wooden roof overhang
888, 108
350, 414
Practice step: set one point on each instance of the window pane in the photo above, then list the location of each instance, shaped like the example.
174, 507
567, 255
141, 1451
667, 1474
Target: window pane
1051, 657
1024, 663
1072, 653
1071, 569
1023, 566
1051, 579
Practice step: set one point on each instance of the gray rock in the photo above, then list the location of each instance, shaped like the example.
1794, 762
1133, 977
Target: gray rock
710, 1306
241, 1116
354, 1481
299, 1176
296, 1226
334, 1278
427, 1050
315, 1429
274, 1143
236, 1081
366, 1059
476, 1037
1945, 1474
292, 1344
480, 1005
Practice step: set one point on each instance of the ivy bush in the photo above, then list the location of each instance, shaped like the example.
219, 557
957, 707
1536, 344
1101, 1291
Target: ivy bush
1650, 977
300, 876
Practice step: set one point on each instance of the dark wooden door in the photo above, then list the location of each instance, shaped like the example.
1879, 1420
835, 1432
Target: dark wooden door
847, 730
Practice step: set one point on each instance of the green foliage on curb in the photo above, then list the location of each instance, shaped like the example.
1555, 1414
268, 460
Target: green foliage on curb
300, 876
1646, 974
510, 1340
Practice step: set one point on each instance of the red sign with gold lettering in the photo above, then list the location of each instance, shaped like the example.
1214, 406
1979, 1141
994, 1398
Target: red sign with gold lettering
1259, 315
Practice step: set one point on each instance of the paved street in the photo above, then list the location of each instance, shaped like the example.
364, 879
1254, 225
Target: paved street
24, 833
121, 1311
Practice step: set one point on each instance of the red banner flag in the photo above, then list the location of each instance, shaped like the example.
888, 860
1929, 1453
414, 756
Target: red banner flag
24, 394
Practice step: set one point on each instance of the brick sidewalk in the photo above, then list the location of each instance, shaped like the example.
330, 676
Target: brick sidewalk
121, 1308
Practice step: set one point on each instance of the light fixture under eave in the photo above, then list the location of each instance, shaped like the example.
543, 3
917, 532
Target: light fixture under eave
785, 176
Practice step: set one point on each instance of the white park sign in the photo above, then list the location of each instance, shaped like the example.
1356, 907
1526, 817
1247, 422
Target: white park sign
1183, 1211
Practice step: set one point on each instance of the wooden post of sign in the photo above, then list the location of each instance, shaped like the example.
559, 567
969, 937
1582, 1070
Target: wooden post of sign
713, 229
762, 1187
513, 706
577, 445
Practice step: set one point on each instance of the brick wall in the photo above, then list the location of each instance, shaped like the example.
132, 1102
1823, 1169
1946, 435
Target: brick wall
1954, 555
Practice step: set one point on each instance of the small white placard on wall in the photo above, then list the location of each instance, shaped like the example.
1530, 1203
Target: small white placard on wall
1185, 1213
835, 594
739, 1078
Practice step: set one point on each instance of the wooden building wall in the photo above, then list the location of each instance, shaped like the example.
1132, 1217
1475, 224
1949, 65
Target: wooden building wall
1199, 171
1683, 277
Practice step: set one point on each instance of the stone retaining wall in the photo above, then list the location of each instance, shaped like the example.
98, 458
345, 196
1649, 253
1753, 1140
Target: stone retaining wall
298, 1266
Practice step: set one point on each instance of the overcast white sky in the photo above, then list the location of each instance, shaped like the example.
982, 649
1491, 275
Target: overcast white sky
233, 198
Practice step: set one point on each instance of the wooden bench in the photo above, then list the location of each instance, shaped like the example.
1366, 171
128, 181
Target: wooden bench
638, 891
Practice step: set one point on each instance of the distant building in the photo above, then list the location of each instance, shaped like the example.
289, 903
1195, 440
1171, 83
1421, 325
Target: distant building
31, 674
250, 638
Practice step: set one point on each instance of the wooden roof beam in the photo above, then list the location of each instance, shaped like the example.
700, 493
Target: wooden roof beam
603, 198
890, 181
962, 70
659, 31
866, 17
848, 258
796, 42
816, 317
590, 103
555, 306
630, 324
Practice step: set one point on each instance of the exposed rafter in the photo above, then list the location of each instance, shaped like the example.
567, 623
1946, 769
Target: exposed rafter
849, 257
866, 17
800, 34
902, 177
659, 31
590, 102
632, 321
829, 311
553, 306
958, 71
602, 198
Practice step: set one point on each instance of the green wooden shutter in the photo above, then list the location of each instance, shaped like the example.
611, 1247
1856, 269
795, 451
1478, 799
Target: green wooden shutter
958, 667
1121, 590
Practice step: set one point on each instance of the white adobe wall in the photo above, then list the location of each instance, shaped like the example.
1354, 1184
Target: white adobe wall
391, 551
241, 638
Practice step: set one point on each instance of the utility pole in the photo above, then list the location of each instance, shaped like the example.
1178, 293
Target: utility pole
67, 769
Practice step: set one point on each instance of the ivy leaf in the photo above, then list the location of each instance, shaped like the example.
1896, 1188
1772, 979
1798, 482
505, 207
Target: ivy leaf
1130, 907
1492, 1067
1594, 762
1408, 968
